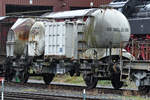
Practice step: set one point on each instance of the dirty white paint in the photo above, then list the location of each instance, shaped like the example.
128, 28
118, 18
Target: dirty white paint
60, 39
36, 40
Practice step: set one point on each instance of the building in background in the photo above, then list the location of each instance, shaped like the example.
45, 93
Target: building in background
37, 7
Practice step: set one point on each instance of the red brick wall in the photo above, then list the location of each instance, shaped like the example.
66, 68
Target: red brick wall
58, 5
2, 8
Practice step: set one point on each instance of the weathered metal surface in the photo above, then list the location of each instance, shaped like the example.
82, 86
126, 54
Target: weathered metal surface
103, 26
61, 39
20, 33
137, 65
99, 53
36, 41
106, 27
98, 31
22, 28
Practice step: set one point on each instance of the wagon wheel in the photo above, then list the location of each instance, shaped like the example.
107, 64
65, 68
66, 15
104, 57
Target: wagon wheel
9, 76
72, 72
23, 77
143, 89
117, 84
115, 81
47, 78
9, 73
90, 81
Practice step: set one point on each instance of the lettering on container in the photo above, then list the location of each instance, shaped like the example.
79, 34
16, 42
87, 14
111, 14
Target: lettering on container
111, 29
60, 50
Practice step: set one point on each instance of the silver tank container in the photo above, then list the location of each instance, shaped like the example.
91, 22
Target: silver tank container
18, 36
106, 27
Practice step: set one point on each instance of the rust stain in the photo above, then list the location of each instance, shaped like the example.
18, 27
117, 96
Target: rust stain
24, 36
22, 30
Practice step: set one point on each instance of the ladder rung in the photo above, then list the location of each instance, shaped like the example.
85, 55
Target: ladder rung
83, 49
82, 41
123, 80
125, 74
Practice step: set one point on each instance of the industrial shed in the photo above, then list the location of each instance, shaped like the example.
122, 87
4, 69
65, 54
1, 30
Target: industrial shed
35, 7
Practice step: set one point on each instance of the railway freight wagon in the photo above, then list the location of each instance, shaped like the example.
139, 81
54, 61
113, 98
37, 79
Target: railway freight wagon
137, 12
87, 41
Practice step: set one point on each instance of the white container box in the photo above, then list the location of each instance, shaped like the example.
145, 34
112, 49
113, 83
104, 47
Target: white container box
61, 39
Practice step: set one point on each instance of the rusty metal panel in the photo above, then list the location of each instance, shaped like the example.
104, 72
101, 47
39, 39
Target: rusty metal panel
18, 36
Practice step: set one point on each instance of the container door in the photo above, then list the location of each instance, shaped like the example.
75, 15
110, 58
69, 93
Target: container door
55, 39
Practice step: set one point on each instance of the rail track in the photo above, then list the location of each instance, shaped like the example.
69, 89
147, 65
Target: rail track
99, 89
35, 96
34, 91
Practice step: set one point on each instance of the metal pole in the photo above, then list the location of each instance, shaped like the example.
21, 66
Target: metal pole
84, 94
2, 97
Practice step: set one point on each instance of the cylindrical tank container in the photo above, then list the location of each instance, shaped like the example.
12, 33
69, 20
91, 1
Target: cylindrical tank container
36, 39
106, 27
103, 26
18, 36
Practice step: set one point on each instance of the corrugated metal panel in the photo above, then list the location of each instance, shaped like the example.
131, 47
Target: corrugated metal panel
60, 39
55, 39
